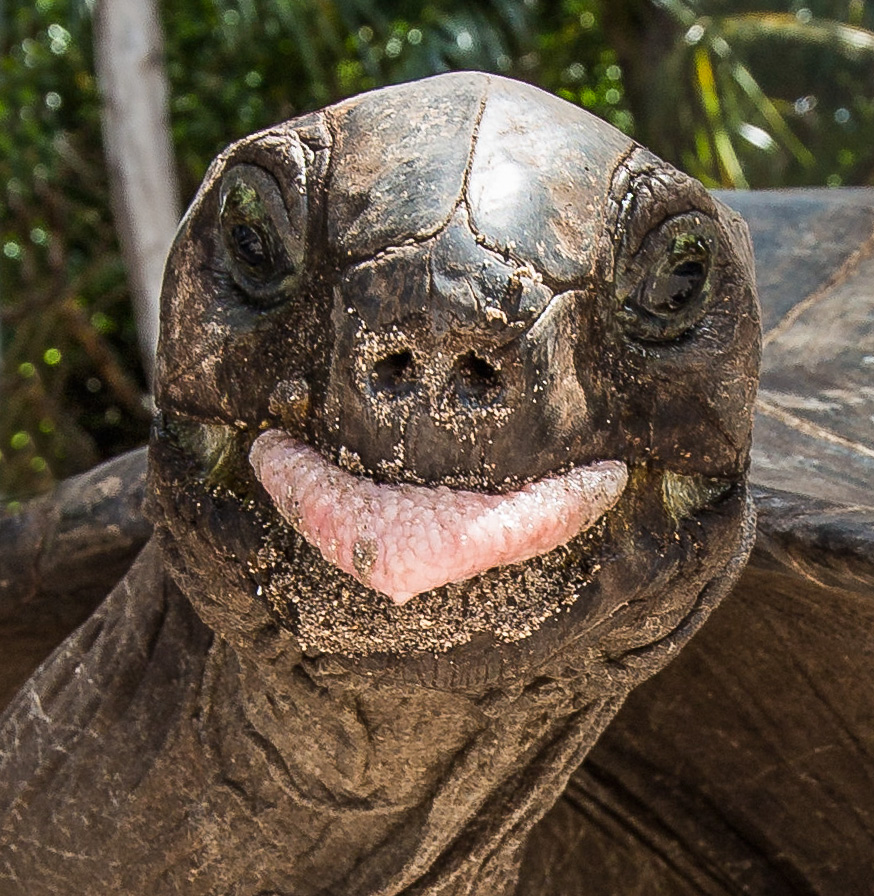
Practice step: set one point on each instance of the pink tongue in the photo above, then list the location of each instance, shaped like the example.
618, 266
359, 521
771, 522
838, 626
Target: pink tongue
406, 539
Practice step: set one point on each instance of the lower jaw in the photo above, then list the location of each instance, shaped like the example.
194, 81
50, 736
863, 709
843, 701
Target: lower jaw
610, 589
331, 613
603, 592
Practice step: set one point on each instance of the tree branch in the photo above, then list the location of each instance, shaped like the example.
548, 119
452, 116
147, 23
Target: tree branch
139, 154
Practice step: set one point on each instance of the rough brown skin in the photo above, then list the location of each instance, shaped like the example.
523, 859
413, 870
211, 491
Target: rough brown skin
746, 765
456, 300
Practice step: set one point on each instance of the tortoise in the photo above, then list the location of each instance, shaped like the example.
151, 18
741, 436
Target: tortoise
459, 301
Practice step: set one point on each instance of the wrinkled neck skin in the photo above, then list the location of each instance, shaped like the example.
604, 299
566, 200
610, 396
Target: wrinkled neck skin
420, 774
387, 789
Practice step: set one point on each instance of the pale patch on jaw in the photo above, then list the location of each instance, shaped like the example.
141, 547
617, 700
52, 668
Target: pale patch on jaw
403, 540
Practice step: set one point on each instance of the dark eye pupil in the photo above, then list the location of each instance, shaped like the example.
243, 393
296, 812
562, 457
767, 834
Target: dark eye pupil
249, 245
683, 283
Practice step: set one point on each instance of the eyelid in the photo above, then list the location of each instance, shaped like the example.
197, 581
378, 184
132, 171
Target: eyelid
649, 192
630, 265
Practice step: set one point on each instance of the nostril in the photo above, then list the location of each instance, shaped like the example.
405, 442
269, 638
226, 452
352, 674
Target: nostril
478, 382
394, 374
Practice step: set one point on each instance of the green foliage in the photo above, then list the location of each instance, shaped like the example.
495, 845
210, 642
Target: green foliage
753, 94
737, 93
72, 392
290, 56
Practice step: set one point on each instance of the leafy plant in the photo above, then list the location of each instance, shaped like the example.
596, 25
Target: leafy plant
747, 95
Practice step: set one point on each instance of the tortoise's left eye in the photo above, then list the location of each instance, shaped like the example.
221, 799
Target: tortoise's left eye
667, 285
263, 244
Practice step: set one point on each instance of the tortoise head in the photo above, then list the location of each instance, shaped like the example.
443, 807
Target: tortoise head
464, 303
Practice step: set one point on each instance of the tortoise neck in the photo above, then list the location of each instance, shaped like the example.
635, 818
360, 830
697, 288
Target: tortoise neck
373, 788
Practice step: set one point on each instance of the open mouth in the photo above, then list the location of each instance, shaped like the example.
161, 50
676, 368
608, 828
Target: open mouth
403, 540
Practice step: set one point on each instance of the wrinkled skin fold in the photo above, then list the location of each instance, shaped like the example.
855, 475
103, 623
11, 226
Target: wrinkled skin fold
485, 293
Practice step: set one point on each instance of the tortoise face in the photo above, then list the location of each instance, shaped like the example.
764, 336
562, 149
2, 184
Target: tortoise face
466, 283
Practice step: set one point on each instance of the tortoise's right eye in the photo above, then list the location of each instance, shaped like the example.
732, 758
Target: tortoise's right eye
263, 243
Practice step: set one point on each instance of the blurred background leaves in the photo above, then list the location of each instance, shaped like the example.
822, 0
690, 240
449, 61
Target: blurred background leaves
738, 94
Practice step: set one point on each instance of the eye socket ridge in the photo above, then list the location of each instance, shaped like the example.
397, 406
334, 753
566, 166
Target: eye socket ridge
666, 288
